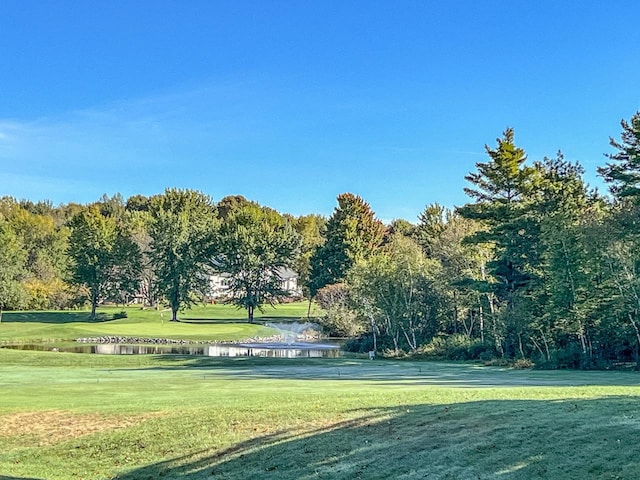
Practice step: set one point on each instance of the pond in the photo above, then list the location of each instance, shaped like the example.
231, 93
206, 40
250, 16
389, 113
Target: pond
274, 349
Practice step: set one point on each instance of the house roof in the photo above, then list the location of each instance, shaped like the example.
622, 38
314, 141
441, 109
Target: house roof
286, 273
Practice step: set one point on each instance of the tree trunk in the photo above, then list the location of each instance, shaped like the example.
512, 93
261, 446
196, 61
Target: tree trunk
309, 309
250, 312
94, 303
481, 315
455, 312
174, 314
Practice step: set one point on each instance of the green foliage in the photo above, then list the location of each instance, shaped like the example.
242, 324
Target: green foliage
44, 242
182, 231
254, 246
353, 234
401, 226
500, 194
312, 230
442, 235
12, 266
139, 223
395, 289
105, 259
229, 203
457, 347
624, 172
341, 318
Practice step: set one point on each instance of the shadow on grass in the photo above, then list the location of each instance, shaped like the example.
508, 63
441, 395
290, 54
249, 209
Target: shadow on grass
4, 477
54, 317
503, 439
206, 321
393, 373
256, 321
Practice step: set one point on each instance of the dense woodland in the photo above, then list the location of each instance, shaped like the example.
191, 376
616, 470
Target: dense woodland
535, 269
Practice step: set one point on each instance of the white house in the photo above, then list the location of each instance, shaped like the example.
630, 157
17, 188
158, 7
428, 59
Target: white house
219, 283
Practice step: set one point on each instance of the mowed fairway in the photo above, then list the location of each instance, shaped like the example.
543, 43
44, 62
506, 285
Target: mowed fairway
71, 416
210, 322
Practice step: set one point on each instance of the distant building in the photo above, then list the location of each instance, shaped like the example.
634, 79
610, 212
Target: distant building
289, 280
219, 284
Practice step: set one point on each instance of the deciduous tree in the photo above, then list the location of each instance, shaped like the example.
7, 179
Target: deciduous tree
396, 287
253, 247
105, 259
182, 232
12, 266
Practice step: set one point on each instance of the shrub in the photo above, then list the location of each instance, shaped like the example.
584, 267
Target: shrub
359, 345
457, 347
121, 314
340, 320
523, 363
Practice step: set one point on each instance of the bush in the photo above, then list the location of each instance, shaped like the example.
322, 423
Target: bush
359, 345
523, 363
121, 314
457, 347
340, 320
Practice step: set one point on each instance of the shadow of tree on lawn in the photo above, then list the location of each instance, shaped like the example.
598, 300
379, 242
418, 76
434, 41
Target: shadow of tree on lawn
391, 372
503, 439
4, 477
60, 317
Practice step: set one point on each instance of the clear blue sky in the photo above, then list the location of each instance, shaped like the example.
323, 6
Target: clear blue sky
290, 103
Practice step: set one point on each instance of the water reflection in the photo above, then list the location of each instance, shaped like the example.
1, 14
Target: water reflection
278, 350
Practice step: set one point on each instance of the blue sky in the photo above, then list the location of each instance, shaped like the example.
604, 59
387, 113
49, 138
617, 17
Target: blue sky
290, 103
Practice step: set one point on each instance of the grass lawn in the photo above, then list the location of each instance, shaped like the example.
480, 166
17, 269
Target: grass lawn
210, 322
72, 416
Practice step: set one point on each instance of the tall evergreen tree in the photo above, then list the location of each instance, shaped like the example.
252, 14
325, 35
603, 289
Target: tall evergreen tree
502, 187
624, 172
353, 233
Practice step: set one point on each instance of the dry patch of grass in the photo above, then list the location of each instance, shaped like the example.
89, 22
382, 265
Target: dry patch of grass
55, 426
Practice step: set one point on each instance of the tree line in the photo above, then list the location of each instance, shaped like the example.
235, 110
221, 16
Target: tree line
536, 267
158, 250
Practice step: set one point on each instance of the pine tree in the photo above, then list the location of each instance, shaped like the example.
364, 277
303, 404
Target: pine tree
353, 233
624, 174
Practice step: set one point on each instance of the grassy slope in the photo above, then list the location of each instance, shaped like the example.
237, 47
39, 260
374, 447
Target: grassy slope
211, 322
73, 416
